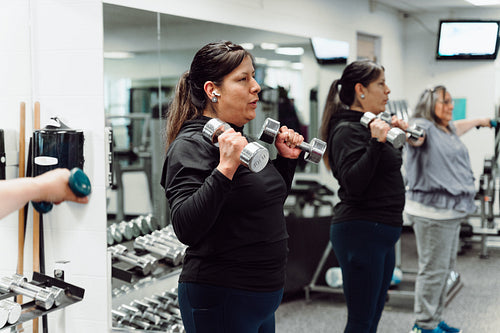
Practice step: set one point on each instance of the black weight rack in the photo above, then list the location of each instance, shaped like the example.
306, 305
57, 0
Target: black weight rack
30, 311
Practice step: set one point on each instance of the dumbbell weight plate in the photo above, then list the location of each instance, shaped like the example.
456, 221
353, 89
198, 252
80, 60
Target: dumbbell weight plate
213, 128
269, 130
13, 308
142, 224
254, 156
4, 316
397, 137
318, 148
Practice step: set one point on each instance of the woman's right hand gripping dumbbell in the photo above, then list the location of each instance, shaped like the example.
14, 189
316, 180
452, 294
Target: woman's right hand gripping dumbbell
379, 129
231, 144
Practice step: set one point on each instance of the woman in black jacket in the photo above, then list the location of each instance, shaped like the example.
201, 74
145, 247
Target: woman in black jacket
230, 217
367, 221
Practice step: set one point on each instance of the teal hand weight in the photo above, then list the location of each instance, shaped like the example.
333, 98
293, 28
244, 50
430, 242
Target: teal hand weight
79, 183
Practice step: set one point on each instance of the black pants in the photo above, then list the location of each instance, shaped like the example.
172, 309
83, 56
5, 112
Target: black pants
365, 251
211, 309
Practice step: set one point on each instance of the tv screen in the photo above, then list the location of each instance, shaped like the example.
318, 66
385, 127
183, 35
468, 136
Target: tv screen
467, 39
329, 51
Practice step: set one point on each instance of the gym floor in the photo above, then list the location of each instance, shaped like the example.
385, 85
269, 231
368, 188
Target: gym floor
474, 308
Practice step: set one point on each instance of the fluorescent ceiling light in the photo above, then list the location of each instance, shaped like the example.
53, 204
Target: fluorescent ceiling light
260, 61
269, 46
118, 55
484, 2
297, 65
247, 46
278, 63
292, 51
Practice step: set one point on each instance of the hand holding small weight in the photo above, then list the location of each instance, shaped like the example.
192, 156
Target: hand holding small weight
231, 144
287, 142
234, 148
284, 137
379, 129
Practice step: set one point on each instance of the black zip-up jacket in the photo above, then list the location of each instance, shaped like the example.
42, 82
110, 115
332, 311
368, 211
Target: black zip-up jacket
368, 172
235, 229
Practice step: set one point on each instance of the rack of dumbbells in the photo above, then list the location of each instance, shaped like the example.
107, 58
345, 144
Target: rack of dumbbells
159, 312
143, 257
139, 248
47, 294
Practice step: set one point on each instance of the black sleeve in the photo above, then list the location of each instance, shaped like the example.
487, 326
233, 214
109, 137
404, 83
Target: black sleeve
195, 190
354, 159
286, 168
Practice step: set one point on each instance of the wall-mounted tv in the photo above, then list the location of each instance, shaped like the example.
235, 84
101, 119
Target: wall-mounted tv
329, 51
467, 39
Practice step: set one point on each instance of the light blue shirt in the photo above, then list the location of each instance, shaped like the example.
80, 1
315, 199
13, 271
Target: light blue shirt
439, 173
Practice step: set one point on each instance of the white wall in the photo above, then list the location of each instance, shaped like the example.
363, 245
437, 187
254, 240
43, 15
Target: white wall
476, 81
51, 52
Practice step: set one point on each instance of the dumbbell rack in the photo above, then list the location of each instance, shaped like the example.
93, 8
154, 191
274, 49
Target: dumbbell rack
30, 311
127, 272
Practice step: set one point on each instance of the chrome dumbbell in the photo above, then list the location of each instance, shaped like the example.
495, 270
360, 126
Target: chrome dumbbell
109, 237
160, 309
22, 282
4, 316
415, 133
144, 243
120, 252
314, 150
43, 298
136, 230
152, 222
143, 308
136, 317
126, 230
121, 319
115, 233
141, 223
176, 251
254, 156
169, 240
169, 305
395, 136
13, 309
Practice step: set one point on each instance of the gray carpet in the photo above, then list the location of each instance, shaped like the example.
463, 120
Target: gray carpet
475, 308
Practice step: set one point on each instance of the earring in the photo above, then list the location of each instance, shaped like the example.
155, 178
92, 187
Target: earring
362, 96
214, 98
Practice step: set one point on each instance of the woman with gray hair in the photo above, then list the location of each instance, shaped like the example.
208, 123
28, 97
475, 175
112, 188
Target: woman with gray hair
440, 195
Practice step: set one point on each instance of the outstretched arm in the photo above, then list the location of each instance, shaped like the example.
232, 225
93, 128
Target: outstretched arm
52, 186
464, 125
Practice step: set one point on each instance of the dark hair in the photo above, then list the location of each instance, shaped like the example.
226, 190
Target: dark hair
342, 93
211, 63
426, 106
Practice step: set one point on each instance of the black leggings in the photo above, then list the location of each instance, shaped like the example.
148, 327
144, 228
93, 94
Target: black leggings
211, 309
365, 251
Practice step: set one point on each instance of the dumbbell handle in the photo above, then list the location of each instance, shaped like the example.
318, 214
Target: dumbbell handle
78, 182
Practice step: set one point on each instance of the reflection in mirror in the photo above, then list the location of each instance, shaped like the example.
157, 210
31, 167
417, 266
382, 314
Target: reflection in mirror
145, 54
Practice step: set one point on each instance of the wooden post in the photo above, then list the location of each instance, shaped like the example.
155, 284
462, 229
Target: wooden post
20, 233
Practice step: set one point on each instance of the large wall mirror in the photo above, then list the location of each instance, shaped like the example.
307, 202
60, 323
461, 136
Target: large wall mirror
145, 54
